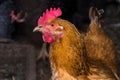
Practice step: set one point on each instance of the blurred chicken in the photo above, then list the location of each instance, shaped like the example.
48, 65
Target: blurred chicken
67, 50
18, 17
98, 45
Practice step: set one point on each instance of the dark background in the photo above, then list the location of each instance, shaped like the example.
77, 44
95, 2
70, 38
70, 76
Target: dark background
20, 47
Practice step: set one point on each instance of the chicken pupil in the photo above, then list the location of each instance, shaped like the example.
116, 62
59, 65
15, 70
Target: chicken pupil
52, 25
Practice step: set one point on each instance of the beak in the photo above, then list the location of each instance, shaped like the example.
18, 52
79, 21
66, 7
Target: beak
37, 29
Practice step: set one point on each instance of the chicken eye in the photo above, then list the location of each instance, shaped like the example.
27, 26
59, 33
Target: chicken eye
52, 25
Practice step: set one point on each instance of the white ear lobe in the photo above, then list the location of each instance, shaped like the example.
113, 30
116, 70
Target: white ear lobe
61, 27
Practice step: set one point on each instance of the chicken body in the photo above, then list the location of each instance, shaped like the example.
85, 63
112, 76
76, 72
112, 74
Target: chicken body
68, 52
69, 61
98, 45
67, 57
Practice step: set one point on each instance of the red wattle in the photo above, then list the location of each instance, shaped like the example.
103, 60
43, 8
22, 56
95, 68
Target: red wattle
48, 38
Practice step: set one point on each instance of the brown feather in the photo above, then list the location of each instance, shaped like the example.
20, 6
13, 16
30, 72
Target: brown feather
99, 46
69, 60
68, 53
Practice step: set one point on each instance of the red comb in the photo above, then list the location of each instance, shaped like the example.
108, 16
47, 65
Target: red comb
49, 14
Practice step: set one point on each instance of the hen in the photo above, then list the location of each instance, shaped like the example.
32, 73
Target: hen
66, 54
67, 50
98, 45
